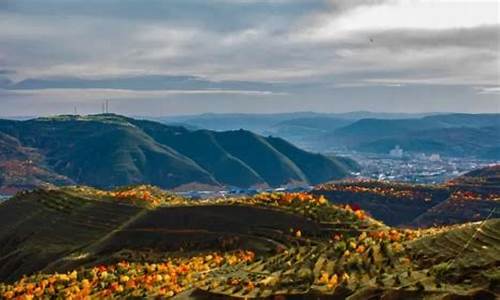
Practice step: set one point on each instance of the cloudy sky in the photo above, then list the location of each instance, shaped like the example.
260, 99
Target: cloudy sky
164, 57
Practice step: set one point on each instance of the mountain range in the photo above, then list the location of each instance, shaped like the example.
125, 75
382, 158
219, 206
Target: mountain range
452, 135
271, 123
110, 150
455, 135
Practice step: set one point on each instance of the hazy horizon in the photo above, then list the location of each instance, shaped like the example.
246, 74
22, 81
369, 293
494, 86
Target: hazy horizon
401, 113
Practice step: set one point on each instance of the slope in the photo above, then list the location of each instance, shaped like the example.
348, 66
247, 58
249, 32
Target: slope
242, 158
144, 243
106, 151
315, 167
110, 150
24, 168
63, 228
273, 166
474, 196
203, 148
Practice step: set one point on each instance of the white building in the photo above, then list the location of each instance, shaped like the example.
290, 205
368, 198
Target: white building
396, 152
435, 157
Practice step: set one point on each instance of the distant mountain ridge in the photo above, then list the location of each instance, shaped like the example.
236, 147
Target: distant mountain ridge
110, 150
449, 134
269, 122
455, 135
304, 129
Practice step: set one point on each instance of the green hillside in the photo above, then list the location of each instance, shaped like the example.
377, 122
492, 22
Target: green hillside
110, 150
242, 158
276, 167
203, 147
106, 152
310, 164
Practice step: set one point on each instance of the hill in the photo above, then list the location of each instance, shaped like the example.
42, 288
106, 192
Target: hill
447, 134
454, 142
471, 197
110, 150
396, 204
483, 177
22, 168
143, 242
66, 222
261, 123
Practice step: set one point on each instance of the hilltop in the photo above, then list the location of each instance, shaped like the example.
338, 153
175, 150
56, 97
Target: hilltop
111, 150
144, 242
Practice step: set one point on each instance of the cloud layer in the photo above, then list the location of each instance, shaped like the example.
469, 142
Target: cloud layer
319, 53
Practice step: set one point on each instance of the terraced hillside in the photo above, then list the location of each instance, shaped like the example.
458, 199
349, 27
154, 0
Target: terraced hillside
468, 198
143, 242
394, 203
438, 265
473, 196
482, 179
37, 228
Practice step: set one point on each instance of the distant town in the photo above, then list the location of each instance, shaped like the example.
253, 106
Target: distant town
398, 165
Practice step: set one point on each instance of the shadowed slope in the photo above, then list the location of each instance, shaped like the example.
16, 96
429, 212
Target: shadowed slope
110, 150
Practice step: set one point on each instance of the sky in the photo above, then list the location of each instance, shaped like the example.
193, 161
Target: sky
171, 57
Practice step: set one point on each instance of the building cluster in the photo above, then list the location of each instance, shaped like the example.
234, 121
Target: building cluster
414, 168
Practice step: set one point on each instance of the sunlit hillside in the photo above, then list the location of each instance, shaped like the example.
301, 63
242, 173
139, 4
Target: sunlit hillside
141, 241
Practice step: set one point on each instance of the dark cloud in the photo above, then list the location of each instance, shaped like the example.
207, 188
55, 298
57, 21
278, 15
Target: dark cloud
483, 37
6, 72
209, 14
